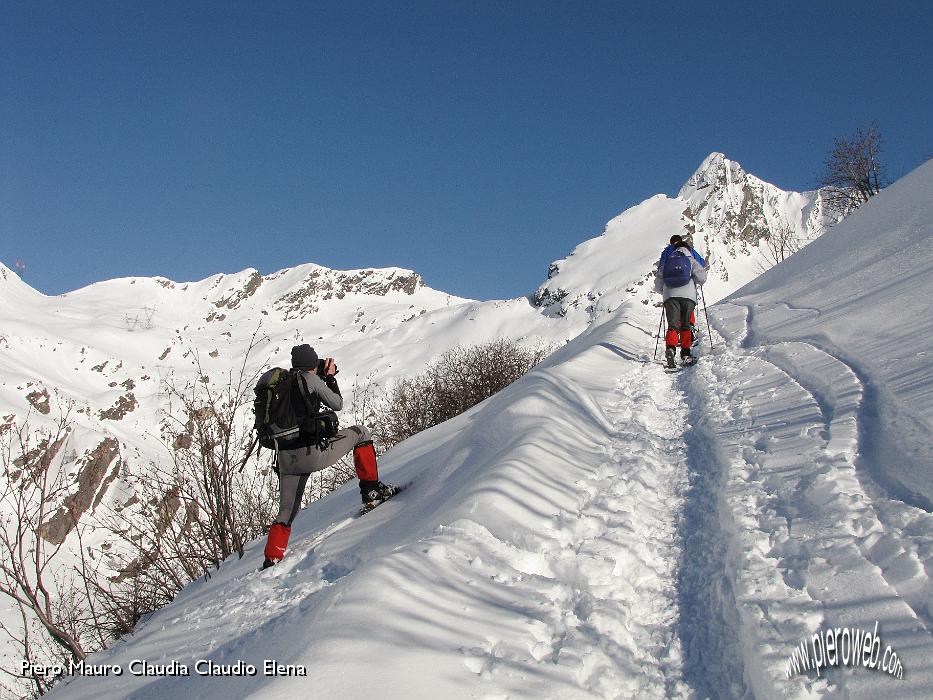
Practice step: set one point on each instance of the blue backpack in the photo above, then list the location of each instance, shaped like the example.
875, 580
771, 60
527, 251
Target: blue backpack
677, 269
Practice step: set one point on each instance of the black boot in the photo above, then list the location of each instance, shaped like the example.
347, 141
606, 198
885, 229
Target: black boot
375, 492
669, 355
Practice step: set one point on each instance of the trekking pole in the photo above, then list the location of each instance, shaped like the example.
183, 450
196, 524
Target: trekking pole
706, 313
658, 341
249, 454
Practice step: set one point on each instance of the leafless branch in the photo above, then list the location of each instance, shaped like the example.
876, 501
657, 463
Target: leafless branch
853, 170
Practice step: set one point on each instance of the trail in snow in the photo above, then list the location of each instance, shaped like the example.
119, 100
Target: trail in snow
601, 586
837, 384
904, 552
638, 494
813, 543
713, 663
903, 547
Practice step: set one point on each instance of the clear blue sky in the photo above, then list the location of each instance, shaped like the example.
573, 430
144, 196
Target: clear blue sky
473, 142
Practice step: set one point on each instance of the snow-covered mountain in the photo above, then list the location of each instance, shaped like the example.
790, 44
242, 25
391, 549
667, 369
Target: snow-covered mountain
603, 529
521, 499
731, 215
111, 347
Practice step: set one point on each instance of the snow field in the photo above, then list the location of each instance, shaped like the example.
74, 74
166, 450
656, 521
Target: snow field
814, 543
601, 582
601, 529
559, 579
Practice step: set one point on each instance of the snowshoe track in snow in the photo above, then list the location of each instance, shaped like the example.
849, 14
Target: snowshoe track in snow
601, 587
816, 543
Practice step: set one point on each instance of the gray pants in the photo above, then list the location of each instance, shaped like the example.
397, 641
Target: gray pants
679, 310
295, 466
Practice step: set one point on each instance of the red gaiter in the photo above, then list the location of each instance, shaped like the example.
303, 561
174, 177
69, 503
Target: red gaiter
364, 459
277, 541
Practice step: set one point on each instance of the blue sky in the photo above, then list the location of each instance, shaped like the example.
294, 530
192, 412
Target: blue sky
473, 142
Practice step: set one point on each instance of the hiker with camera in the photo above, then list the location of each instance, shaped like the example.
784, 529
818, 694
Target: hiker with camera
680, 270
290, 419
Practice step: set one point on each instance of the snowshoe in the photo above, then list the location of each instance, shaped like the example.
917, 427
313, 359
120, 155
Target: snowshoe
669, 355
377, 494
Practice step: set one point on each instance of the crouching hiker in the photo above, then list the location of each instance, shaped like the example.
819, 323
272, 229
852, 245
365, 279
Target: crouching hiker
290, 419
679, 273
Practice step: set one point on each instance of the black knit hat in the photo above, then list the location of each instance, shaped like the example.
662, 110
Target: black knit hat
304, 357
676, 239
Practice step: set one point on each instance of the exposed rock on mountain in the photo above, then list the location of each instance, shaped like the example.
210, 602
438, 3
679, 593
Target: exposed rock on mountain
92, 480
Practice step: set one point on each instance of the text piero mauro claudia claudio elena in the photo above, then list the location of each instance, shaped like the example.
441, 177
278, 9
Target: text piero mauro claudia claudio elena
141, 667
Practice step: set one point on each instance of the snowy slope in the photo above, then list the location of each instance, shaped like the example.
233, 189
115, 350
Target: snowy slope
860, 295
112, 347
814, 405
497, 572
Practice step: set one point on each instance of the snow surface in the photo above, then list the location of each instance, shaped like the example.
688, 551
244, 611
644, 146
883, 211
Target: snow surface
603, 529
861, 295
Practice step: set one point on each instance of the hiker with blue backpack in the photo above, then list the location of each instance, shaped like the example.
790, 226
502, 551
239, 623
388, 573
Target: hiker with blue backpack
677, 240
680, 270
306, 439
686, 240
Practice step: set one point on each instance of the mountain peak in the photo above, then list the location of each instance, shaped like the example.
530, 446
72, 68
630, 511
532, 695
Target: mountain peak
716, 167
12, 284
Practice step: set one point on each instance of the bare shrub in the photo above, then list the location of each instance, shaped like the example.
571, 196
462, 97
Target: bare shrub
202, 505
56, 620
853, 171
781, 242
455, 382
